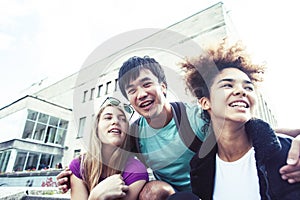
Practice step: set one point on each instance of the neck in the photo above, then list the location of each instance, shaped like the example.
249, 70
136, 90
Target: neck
107, 151
163, 118
232, 140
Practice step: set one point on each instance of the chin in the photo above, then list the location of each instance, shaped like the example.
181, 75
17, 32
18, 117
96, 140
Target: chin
116, 143
241, 119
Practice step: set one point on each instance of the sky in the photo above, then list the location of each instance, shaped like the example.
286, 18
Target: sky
45, 41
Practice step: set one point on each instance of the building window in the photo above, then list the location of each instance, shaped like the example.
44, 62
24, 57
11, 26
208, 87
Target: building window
4, 158
108, 85
53, 121
60, 136
32, 161
92, 93
32, 115
45, 128
45, 161
76, 153
63, 124
81, 127
28, 130
39, 132
43, 118
84, 96
50, 135
100, 90
20, 161
116, 85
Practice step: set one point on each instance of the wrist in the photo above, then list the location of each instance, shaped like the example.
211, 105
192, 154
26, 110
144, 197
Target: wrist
97, 195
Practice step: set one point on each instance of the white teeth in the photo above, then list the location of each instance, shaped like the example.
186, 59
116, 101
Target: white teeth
115, 131
146, 104
239, 104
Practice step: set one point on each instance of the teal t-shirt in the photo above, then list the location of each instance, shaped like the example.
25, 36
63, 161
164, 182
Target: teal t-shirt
164, 151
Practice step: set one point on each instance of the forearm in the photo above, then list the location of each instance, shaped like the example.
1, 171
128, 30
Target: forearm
287, 131
134, 190
97, 195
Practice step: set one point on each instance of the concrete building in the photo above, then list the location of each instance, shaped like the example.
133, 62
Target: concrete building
52, 125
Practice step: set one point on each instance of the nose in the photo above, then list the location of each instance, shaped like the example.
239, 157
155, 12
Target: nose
141, 93
115, 120
240, 91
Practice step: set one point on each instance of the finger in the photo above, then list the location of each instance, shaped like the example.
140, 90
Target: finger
291, 173
63, 174
120, 176
117, 195
62, 181
292, 181
294, 176
63, 189
125, 188
287, 169
294, 152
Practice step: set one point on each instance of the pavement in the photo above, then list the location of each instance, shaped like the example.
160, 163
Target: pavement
30, 193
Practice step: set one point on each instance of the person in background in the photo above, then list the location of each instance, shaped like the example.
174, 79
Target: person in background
245, 160
108, 170
58, 166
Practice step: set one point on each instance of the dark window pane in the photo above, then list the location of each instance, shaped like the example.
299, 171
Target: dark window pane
32, 162
84, 96
60, 136
50, 136
32, 115
81, 127
92, 93
20, 161
28, 130
4, 158
43, 118
45, 161
63, 124
39, 131
53, 121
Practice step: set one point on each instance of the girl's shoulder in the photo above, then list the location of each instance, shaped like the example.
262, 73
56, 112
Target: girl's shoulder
75, 166
134, 170
134, 165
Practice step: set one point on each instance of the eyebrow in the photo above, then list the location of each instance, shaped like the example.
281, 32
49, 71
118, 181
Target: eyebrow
107, 114
110, 114
142, 80
232, 80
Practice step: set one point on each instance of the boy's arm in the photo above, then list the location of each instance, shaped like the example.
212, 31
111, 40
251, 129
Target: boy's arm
291, 171
287, 131
63, 180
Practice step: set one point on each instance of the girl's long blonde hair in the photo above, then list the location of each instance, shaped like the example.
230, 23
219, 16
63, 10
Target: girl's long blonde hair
92, 166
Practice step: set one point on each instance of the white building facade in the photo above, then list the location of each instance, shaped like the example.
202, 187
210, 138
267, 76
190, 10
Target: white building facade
53, 125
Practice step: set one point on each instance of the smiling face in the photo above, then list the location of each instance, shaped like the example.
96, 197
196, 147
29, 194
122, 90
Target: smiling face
232, 97
146, 94
112, 126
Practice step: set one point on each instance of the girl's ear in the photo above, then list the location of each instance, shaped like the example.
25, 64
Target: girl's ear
204, 103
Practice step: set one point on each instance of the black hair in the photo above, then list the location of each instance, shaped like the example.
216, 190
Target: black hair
201, 71
134, 65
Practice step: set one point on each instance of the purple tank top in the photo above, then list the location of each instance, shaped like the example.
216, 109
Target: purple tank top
134, 170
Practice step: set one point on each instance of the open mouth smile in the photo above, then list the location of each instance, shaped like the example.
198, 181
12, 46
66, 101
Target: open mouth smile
242, 104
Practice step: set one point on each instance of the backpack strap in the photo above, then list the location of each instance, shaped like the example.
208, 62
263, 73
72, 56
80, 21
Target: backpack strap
185, 131
189, 138
134, 140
